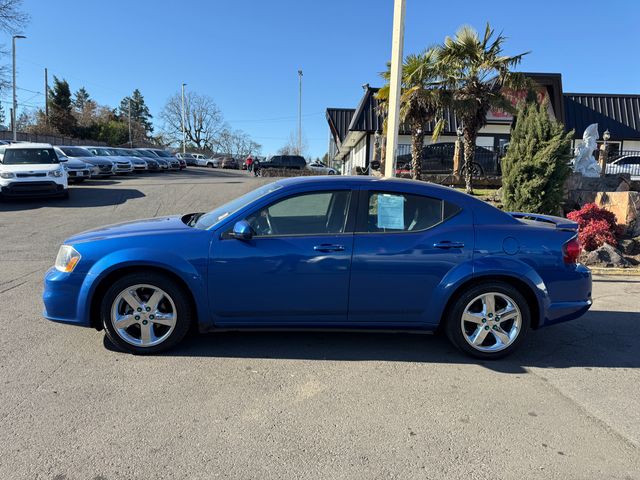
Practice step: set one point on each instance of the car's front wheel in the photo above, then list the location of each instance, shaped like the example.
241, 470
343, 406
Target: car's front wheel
145, 313
489, 320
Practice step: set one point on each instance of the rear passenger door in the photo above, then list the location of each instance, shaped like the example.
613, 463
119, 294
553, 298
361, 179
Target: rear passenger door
405, 244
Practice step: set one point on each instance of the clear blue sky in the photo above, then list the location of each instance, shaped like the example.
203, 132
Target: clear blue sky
246, 53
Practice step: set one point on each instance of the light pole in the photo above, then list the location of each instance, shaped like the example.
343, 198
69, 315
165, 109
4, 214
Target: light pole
299, 112
393, 122
184, 138
130, 141
15, 99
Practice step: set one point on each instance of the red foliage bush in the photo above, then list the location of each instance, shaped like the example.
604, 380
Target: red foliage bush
597, 226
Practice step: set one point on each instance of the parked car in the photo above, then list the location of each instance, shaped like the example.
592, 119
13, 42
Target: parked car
230, 163
153, 163
626, 164
293, 162
139, 164
447, 261
31, 169
210, 162
106, 167
438, 158
174, 162
190, 158
321, 168
77, 170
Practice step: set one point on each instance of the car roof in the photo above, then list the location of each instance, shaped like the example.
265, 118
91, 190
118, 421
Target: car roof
28, 145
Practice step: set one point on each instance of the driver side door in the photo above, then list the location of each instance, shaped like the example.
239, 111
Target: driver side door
294, 270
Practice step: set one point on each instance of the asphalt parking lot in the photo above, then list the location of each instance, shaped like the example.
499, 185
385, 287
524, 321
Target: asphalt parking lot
296, 405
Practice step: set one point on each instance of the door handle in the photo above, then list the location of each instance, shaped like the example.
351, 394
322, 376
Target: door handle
446, 244
325, 247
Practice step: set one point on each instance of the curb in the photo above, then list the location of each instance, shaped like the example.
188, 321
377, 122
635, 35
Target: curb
625, 272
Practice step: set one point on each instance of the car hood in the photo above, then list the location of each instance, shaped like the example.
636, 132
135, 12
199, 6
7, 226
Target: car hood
76, 164
95, 160
130, 229
29, 167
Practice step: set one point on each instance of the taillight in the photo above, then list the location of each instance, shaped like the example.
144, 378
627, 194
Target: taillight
571, 251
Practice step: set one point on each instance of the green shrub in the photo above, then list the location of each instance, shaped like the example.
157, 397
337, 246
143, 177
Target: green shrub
536, 165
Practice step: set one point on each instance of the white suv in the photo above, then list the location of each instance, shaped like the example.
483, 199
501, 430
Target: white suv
31, 169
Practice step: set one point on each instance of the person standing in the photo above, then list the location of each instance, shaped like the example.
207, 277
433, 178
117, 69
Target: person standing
249, 162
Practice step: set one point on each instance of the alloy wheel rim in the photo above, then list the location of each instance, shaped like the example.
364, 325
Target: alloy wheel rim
491, 322
143, 315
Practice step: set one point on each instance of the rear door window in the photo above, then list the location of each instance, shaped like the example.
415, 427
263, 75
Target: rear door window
393, 212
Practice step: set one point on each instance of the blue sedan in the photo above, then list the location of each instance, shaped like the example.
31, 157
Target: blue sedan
326, 253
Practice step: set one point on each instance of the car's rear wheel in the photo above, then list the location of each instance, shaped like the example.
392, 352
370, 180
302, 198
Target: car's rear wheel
489, 320
145, 313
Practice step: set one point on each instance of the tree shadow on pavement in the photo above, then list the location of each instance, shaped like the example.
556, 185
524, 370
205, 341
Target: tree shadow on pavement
599, 339
78, 198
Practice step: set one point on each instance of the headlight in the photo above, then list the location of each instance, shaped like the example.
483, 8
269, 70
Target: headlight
56, 173
7, 175
67, 259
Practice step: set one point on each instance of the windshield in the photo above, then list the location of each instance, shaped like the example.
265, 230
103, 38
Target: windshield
103, 151
214, 217
29, 156
146, 153
131, 153
163, 153
76, 152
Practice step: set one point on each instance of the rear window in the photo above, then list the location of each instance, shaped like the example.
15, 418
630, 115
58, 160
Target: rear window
29, 156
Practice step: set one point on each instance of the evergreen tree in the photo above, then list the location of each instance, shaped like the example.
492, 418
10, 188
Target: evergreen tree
60, 107
81, 98
536, 167
139, 111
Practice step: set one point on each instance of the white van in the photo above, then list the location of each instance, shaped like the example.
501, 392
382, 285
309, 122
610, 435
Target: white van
31, 169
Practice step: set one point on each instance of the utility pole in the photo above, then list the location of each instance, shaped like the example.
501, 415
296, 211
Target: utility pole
299, 112
15, 98
46, 96
393, 121
184, 137
130, 141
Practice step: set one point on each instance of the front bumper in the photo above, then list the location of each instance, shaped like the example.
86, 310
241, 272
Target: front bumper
123, 169
79, 174
30, 189
62, 297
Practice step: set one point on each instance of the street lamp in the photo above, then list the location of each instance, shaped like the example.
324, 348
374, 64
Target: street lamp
15, 100
606, 136
184, 138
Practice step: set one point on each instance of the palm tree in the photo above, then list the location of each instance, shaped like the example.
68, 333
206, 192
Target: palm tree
420, 100
475, 71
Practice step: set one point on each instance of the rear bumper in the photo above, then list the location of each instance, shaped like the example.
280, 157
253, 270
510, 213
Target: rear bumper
31, 189
570, 298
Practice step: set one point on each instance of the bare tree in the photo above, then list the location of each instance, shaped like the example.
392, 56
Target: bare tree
236, 143
203, 120
292, 147
12, 18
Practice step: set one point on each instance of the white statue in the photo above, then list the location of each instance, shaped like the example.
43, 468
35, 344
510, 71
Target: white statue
584, 161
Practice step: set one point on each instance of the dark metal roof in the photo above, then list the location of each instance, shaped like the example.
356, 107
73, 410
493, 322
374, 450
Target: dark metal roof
367, 118
339, 120
620, 114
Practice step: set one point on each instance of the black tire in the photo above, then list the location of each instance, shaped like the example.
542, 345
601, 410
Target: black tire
454, 327
181, 300
476, 170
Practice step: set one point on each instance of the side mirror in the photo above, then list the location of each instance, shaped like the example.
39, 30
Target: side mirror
242, 231
62, 159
